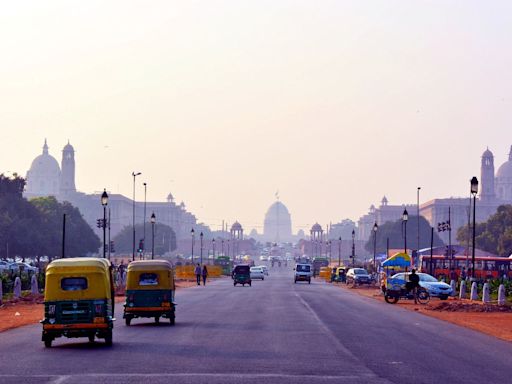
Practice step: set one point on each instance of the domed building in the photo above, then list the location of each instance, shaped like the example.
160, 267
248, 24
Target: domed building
278, 224
503, 181
44, 176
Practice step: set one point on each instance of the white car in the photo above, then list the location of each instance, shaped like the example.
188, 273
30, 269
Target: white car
265, 269
257, 273
263, 258
6, 267
25, 267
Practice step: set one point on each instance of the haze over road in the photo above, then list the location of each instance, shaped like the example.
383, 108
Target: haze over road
272, 332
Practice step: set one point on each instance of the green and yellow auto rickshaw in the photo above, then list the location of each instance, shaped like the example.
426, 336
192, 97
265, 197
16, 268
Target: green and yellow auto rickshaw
78, 300
150, 291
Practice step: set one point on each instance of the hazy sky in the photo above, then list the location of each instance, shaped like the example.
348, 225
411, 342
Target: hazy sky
333, 103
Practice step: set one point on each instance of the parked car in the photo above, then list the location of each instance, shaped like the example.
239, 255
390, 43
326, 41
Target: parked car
257, 273
25, 267
358, 276
7, 267
434, 287
303, 272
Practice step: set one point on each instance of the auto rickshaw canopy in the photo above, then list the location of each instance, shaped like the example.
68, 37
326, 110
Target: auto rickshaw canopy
150, 275
95, 271
402, 260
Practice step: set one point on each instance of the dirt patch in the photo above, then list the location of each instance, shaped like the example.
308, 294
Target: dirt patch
30, 310
490, 319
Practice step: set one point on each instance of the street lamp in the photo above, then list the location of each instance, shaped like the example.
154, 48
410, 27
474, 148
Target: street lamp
405, 217
144, 235
474, 191
375, 229
339, 252
353, 247
133, 215
330, 254
213, 247
153, 221
192, 232
104, 202
201, 240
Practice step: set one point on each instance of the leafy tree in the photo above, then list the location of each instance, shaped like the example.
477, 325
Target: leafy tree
80, 238
494, 235
163, 235
395, 232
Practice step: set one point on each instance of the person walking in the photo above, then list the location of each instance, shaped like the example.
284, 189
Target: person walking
205, 274
197, 272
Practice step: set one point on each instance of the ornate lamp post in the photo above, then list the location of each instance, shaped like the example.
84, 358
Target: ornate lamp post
213, 247
104, 202
201, 240
405, 217
192, 232
474, 191
353, 248
375, 229
133, 214
153, 221
339, 252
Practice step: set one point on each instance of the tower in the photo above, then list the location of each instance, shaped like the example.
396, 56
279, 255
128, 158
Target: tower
487, 176
67, 182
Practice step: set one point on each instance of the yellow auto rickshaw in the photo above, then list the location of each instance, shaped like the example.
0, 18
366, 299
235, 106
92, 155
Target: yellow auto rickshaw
78, 300
150, 291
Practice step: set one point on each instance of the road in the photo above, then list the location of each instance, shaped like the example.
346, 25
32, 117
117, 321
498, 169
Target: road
272, 332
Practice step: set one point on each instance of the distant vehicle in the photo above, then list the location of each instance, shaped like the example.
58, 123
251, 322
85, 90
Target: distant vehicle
263, 258
303, 272
257, 273
434, 287
241, 275
225, 263
6, 267
25, 267
265, 269
485, 267
358, 276
319, 262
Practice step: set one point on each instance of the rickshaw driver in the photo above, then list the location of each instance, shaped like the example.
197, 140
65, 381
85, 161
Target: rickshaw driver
413, 284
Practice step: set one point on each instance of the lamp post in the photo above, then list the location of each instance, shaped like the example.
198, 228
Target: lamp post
474, 191
133, 214
418, 212
213, 248
192, 232
339, 252
375, 229
201, 241
104, 202
330, 253
222, 247
144, 234
405, 217
353, 248
153, 221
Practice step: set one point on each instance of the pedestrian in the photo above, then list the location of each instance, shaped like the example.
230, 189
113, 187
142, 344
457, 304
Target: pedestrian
197, 272
205, 274
453, 275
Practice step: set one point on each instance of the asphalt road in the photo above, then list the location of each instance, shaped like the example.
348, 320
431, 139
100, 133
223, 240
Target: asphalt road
272, 332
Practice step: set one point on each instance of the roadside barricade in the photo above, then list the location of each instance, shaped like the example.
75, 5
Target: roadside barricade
186, 272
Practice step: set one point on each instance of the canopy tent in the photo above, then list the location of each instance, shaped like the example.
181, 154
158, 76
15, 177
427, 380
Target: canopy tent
398, 260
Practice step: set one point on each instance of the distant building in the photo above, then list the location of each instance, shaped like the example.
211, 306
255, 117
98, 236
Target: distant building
46, 178
277, 227
495, 190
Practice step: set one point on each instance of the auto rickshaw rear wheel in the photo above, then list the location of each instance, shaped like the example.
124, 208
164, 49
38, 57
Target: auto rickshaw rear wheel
108, 338
391, 299
48, 343
127, 321
157, 319
172, 320
91, 338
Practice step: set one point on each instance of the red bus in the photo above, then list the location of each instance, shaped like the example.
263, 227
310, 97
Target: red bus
485, 267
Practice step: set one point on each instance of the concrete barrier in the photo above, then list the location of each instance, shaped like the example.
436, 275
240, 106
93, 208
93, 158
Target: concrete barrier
462, 293
474, 291
502, 296
486, 296
453, 284
17, 288
34, 287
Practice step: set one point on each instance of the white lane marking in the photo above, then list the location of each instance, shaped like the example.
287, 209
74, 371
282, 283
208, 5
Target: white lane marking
60, 379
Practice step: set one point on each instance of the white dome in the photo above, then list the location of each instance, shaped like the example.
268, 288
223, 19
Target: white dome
43, 178
278, 223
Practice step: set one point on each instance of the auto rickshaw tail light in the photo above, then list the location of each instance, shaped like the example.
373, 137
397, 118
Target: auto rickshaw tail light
165, 298
51, 309
99, 320
98, 309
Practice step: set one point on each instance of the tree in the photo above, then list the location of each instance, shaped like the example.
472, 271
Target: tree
394, 231
165, 239
80, 238
494, 235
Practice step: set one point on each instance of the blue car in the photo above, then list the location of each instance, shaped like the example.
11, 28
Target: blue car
434, 287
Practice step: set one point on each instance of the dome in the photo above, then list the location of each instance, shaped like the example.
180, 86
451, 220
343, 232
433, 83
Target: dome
236, 226
43, 178
277, 226
68, 147
316, 228
487, 153
277, 208
505, 171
